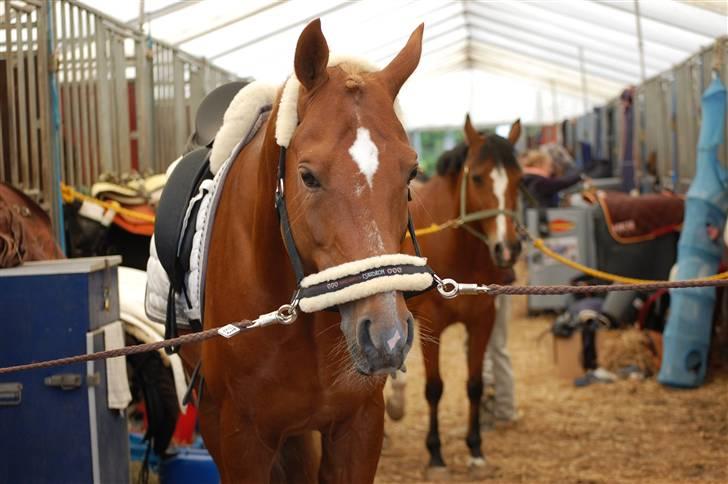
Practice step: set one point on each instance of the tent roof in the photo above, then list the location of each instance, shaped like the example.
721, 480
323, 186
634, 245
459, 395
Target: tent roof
478, 53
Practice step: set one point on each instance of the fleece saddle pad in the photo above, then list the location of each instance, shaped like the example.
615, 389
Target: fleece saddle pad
637, 219
178, 253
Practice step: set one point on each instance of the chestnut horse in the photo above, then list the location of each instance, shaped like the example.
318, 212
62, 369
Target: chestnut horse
347, 170
484, 173
26, 233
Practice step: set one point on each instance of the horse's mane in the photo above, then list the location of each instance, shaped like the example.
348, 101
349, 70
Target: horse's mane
495, 148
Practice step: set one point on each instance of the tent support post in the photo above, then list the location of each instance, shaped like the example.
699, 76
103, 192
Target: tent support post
640, 45
584, 87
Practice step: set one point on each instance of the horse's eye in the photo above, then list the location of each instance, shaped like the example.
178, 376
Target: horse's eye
309, 179
477, 179
413, 174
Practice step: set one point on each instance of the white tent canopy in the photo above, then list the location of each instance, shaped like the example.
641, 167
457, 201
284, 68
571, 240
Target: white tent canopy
498, 60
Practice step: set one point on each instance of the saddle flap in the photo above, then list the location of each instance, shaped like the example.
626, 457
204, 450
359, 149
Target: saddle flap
181, 186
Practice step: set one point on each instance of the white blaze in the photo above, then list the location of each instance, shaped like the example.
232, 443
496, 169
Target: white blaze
500, 183
365, 154
375, 238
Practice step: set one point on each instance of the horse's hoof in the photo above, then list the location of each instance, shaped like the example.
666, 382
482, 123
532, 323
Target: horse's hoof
477, 468
437, 473
395, 407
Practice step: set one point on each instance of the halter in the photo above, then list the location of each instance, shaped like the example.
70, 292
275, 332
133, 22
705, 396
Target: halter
465, 218
352, 280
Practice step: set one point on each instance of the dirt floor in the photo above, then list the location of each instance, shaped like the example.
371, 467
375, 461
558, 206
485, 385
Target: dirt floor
628, 431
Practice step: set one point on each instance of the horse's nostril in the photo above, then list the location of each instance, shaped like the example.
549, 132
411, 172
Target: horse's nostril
517, 248
365, 337
410, 331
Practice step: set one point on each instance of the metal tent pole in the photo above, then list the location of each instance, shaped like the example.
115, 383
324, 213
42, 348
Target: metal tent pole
637, 104
584, 86
640, 45
55, 128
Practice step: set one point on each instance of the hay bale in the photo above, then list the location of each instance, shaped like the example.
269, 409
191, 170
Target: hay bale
621, 348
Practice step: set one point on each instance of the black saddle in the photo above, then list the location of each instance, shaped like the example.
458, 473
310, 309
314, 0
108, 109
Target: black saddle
174, 229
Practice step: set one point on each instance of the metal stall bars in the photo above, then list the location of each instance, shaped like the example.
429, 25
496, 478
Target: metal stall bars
180, 82
25, 147
84, 78
95, 76
125, 102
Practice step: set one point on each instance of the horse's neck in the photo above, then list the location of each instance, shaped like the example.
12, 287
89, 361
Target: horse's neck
438, 201
247, 222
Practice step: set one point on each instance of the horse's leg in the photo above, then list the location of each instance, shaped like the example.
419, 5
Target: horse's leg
245, 455
351, 448
433, 393
298, 460
396, 399
478, 334
209, 418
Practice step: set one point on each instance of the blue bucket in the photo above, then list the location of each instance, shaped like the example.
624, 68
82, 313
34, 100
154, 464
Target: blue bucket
189, 466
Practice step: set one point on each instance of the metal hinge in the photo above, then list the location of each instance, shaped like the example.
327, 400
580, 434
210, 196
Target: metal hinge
64, 381
10, 394
93, 379
71, 381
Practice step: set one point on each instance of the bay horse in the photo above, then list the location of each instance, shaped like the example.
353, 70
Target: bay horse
346, 174
483, 173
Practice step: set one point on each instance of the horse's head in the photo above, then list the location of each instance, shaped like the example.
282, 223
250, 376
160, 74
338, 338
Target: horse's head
491, 178
348, 167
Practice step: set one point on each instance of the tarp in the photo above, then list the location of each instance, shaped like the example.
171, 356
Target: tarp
499, 60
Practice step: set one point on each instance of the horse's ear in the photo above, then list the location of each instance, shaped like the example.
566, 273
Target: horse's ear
404, 64
471, 134
312, 56
515, 132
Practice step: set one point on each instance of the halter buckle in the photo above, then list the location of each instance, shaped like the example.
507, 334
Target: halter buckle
447, 288
286, 314
450, 289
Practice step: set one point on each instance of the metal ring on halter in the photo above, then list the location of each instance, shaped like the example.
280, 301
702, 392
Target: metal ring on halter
451, 293
286, 314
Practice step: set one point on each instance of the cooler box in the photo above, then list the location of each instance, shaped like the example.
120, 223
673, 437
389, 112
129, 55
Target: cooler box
55, 423
570, 233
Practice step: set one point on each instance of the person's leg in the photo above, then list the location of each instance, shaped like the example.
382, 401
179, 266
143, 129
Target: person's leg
497, 352
488, 378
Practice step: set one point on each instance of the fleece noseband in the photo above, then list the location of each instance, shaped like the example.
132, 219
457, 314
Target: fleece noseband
352, 280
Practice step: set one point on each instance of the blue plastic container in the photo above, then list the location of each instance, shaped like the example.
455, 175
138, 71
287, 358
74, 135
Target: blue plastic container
138, 448
687, 335
189, 466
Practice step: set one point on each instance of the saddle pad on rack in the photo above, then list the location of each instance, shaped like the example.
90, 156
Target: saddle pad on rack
636, 219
